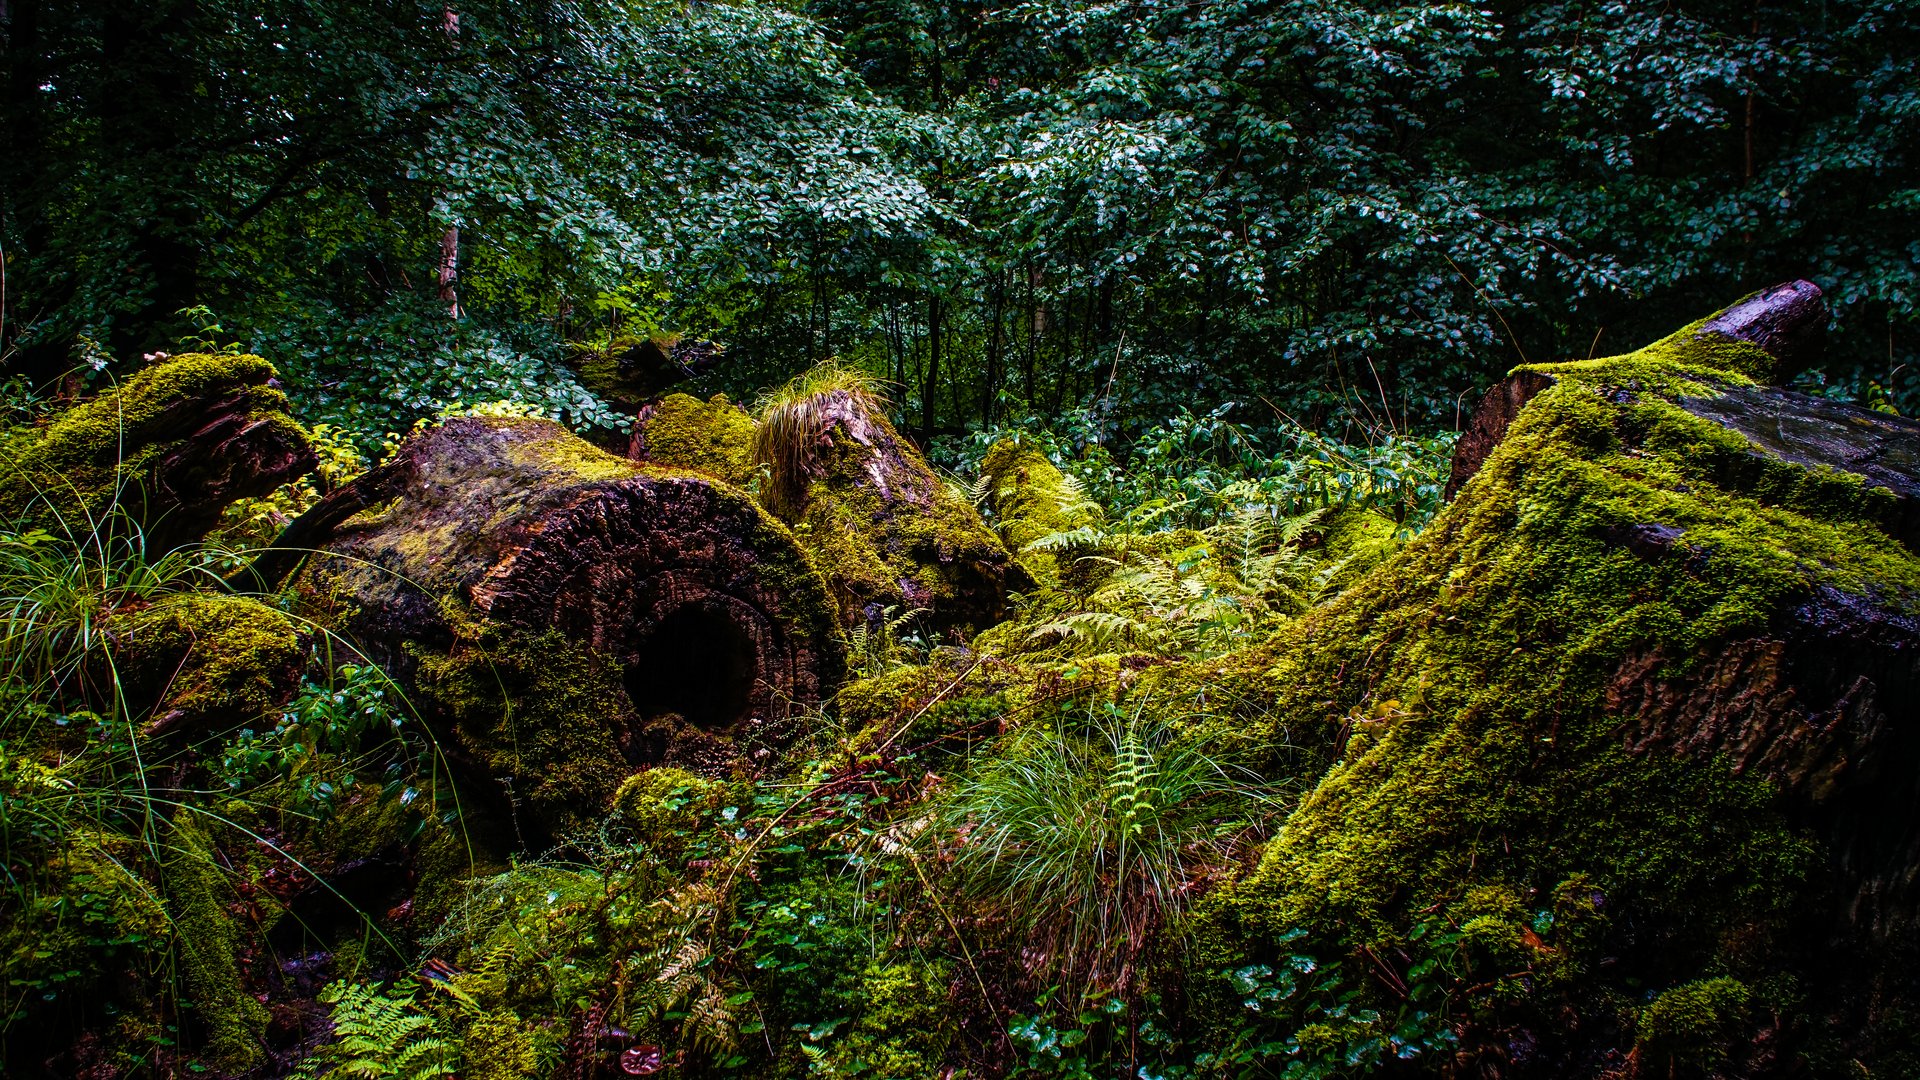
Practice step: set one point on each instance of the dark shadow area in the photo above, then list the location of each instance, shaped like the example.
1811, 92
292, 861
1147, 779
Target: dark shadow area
696, 662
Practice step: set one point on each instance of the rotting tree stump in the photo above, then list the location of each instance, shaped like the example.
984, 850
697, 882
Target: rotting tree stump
1638, 715
1821, 700
890, 535
570, 615
1789, 322
171, 447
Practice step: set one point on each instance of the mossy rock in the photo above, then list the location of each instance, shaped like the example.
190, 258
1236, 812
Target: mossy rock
1645, 678
714, 437
172, 446
569, 616
205, 663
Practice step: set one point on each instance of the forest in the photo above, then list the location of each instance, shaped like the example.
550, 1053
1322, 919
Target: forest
894, 539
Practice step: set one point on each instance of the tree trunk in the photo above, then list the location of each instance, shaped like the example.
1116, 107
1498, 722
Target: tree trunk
930, 386
1788, 322
567, 615
171, 447
1819, 701
891, 537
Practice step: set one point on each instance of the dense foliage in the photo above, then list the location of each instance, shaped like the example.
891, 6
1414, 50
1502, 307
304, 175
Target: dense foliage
1006, 209
1179, 307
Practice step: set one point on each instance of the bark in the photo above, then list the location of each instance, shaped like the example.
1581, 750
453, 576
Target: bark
172, 447
1822, 702
891, 537
692, 626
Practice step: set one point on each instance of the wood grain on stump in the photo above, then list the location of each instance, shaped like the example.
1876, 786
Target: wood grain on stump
1788, 321
693, 629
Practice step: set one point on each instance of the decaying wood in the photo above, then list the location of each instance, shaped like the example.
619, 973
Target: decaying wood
484, 528
1789, 321
1827, 706
891, 537
172, 447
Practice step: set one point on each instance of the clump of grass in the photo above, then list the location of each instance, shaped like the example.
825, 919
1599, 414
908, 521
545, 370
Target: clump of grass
1095, 834
795, 422
58, 591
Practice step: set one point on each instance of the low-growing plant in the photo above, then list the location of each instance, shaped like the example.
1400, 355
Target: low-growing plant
380, 1034
1088, 836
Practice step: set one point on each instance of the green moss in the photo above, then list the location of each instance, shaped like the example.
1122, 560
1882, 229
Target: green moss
539, 711
1357, 540
597, 365
880, 554
1463, 688
1693, 1021
83, 913
712, 437
499, 1045
104, 450
666, 806
207, 662
889, 535
905, 1029
1028, 497
209, 943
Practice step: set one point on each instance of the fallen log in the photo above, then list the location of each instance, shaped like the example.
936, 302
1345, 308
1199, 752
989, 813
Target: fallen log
570, 616
1630, 734
1787, 323
172, 447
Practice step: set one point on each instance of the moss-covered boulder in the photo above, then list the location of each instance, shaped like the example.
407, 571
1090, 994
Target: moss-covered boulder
1027, 498
682, 432
200, 663
173, 446
570, 615
1631, 716
889, 534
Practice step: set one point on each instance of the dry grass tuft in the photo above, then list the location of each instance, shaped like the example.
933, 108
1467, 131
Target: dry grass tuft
795, 422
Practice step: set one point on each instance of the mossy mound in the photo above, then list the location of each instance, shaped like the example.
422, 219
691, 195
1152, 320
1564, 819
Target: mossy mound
713, 437
1027, 497
205, 663
891, 537
1600, 732
172, 446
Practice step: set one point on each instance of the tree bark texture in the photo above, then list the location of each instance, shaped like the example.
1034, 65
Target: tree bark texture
539, 592
1825, 702
1788, 321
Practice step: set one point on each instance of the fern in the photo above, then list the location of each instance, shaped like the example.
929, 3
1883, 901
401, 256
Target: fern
379, 1035
690, 976
1085, 839
891, 643
1244, 576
